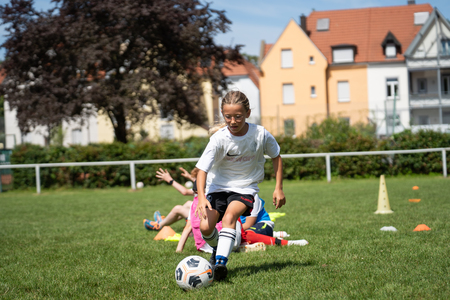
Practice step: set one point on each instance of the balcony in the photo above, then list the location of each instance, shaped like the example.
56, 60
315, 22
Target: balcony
429, 100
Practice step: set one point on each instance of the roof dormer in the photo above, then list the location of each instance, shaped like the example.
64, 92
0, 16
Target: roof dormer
344, 53
391, 46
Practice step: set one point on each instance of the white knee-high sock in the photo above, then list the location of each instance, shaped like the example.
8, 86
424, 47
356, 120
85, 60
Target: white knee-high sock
212, 239
227, 237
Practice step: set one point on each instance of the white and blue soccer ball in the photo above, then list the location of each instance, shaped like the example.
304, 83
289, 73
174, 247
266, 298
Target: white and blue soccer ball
194, 272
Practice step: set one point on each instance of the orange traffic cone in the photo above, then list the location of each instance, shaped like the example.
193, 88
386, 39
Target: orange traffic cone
164, 233
422, 227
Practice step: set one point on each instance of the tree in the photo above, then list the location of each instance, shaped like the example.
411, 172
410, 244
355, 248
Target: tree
251, 58
130, 59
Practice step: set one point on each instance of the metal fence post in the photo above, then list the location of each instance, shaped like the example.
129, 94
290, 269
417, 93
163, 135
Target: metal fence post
328, 163
132, 176
444, 163
38, 179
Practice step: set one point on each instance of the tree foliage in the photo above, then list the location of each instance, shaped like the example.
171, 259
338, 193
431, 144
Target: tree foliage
129, 59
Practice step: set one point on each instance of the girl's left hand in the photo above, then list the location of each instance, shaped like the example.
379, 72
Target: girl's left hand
163, 175
278, 198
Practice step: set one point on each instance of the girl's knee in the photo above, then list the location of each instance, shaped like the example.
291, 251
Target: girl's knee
206, 230
229, 220
177, 208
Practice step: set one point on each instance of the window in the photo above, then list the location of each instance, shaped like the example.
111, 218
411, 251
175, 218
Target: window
343, 91
424, 120
288, 94
422, 85
391, 51
311, 60
446, 117
286, 59
323, 24
76, 136
390, 120
166, 131
420, 17
446, 85
289, 127
392, 88
445, 47
346, 120
313, 92
343, 55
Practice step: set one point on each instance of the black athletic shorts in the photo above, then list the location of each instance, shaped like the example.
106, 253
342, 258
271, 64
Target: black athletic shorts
220, 200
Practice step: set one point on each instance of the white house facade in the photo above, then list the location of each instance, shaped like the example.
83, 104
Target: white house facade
75, 133
387, 85
428, 64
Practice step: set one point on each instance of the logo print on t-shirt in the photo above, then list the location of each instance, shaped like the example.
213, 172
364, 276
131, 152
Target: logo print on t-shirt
228, 154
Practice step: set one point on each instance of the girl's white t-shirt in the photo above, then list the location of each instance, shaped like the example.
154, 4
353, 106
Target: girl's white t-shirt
236, 163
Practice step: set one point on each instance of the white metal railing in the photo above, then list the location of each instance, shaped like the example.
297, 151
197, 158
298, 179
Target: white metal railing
132, 163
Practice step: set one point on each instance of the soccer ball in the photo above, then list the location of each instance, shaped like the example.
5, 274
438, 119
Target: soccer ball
189, 184
193, 272
140, 185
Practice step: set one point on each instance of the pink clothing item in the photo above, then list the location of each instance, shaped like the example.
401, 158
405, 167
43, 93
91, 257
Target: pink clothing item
195, 223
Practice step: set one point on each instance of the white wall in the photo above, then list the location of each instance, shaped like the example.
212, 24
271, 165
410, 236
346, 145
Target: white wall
377, 75
246, 85
89, 131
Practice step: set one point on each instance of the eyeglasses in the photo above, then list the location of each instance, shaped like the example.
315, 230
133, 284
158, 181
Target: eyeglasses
237, 118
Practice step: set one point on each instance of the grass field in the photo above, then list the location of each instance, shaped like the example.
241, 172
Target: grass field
91, 244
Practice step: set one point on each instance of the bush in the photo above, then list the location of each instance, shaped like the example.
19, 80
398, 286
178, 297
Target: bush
102, 176
333, 135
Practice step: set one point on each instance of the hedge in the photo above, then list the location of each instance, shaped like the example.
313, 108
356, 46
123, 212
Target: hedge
343, 140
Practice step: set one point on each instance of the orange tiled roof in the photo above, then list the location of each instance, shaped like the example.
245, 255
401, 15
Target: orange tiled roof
366, 28
267, 48
235, 69
2, 75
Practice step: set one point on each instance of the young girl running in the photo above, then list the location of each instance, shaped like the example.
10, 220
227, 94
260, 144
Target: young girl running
235, 157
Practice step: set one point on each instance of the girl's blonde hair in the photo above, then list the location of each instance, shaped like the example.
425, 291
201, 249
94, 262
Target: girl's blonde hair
236, 97
232, 97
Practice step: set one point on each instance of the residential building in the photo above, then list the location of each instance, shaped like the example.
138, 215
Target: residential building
292, 83
365, 75
428, 64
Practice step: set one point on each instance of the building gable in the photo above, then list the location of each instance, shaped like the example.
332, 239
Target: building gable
432, 40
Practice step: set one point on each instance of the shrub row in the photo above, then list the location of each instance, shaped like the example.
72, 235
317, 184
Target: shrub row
316, 140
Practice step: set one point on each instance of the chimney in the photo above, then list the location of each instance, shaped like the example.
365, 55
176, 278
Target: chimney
303, 23
411, 2
261, 52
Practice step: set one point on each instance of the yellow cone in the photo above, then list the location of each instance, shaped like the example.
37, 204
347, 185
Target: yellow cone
383, 199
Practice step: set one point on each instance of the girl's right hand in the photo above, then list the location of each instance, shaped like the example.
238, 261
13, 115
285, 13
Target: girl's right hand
200, 211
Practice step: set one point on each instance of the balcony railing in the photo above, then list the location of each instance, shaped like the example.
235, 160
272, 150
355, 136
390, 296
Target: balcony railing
429, 99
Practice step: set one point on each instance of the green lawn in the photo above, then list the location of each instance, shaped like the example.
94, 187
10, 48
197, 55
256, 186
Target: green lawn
91, 244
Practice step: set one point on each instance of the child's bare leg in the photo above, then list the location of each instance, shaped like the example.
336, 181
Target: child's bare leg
227, 237
234, 210
178, 212
208, 227
184, 236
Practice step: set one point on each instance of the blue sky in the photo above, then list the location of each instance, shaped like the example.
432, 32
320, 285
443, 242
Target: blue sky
256, 20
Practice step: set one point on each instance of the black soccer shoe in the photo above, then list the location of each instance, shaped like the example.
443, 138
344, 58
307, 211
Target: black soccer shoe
220, 272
